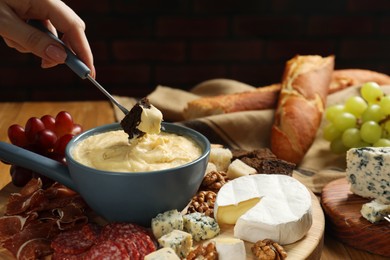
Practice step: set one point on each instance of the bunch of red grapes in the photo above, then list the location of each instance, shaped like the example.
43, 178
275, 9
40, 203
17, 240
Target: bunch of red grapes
47, 136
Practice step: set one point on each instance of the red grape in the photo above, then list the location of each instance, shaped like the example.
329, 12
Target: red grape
63, 124
47, 136
77, 129
49, 122
20, 176
61, 143
45, 139
33, 126
57, 157
17, 136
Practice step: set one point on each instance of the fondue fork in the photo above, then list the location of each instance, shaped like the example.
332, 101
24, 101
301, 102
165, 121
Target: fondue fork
77, 66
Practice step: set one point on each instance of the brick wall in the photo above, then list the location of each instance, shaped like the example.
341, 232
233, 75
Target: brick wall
138, 44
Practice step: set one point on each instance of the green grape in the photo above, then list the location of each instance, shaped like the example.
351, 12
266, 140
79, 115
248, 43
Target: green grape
355, 105
337, 146
385, 105
332, 111
370, 132
386, 129
372, 113
331, 132
351, 137
371, 92
383, 142
344, 120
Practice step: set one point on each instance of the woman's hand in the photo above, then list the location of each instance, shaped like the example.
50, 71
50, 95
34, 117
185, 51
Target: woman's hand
55, 15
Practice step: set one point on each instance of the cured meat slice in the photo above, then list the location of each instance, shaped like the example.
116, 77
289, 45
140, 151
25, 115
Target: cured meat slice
130, 234
18, 203
62, 256
116, 230
71, 216
34, 249
108, 250
145, 244
10, 225
35, 230
75, 241
131, 246
32, 186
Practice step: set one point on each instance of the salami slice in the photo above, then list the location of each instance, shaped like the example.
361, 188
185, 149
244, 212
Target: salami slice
144, 243
115, 230
62, 256
74, 241
107, 250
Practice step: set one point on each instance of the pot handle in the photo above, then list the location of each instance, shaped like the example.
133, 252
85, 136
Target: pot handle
50, 168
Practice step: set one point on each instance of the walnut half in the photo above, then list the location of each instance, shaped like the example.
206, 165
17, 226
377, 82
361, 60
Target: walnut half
213, 181
205, 252
268, 250
203, 202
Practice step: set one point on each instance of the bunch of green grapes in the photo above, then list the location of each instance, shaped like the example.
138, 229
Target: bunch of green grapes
361, 121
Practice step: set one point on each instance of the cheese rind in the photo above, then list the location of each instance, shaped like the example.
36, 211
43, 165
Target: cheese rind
375, 211
368, 172
200, 226
283, 214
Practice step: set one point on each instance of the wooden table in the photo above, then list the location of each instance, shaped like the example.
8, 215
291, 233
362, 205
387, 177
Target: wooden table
95, 113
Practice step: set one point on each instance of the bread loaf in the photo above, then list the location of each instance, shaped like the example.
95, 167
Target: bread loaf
352, 77
302, 99
259, 98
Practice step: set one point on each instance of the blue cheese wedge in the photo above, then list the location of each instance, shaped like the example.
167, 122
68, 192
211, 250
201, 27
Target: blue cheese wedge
166, 222
200, 226
179, 241
368, 172
375, 211
165, 253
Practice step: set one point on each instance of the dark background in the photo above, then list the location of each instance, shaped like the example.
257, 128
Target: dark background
139, 44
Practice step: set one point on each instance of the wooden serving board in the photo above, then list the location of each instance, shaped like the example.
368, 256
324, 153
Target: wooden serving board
344, 221
309, 247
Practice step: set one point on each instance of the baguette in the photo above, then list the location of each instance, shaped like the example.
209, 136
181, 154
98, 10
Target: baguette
342, 79
265, 97
301, 103
257, 99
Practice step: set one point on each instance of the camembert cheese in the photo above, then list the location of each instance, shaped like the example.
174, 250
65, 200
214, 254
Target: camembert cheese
276, 207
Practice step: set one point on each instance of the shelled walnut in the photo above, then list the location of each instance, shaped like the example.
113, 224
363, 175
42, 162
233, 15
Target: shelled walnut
203, 202
206, 252
213, 181
268, 250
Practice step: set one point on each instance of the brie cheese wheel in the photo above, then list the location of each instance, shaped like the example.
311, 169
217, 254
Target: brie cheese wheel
262, 206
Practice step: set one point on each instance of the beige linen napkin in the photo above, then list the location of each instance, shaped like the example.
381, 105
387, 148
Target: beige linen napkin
250, 129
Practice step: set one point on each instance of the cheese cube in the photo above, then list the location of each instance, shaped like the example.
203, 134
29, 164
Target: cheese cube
375, 211
238, 168
211, 167
221, 157
165, 253
230, 248
368, 172
166, 222
200, 226
179, 241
